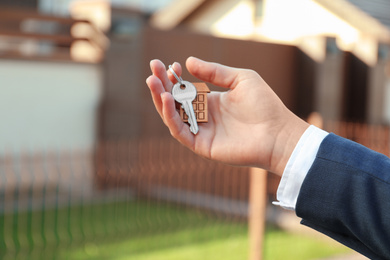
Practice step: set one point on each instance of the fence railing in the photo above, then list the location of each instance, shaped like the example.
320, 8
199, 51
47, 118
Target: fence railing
54, 205
375, 137
53, 202
143, 164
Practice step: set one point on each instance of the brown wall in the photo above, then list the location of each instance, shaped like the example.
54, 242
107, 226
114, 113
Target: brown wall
128, 110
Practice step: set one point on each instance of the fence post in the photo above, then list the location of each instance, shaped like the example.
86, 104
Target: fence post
257, 210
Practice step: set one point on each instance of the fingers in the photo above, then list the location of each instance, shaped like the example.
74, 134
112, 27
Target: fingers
177, 127
177, 69
156, 89
161, 81
166, 77
159, 70
214, 73
160, 85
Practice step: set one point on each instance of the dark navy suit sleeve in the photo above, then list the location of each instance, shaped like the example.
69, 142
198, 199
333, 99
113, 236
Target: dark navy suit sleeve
346, 195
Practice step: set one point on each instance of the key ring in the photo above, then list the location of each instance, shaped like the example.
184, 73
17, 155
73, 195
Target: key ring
179, 79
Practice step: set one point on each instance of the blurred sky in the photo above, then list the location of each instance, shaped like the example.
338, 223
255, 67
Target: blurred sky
62, 6
149, 5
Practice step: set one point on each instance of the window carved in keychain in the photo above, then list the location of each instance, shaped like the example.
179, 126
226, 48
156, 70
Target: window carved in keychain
199, 104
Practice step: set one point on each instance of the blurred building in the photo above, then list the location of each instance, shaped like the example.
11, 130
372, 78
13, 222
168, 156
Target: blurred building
74, 72
344, 46
314, 56
52, 82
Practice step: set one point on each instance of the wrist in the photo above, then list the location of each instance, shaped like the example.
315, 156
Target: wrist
285, 142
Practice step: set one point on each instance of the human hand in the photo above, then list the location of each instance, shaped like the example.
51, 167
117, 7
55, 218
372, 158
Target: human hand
248, 124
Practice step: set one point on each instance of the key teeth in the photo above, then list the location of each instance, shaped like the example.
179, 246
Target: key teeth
194, 129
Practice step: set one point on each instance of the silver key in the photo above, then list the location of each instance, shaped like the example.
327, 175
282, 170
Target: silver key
185, 92
185, 97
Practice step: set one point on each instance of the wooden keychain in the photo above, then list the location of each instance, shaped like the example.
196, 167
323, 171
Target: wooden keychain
199, 103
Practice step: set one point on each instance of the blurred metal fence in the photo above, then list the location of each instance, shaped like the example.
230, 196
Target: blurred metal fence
53, 202
68, 204
375, 137
160, 167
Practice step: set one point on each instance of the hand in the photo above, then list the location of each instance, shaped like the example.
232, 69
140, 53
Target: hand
248, 124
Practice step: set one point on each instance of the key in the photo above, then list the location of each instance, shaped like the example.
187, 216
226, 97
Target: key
185, 92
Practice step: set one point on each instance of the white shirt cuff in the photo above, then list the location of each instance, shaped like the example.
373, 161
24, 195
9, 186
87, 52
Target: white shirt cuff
298, 166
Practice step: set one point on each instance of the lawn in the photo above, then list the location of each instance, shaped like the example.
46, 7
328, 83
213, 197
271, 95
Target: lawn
142, 230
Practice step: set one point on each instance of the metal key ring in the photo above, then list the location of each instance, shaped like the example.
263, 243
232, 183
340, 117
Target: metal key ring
179, 79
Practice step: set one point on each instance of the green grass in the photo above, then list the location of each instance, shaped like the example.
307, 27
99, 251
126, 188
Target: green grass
142, 230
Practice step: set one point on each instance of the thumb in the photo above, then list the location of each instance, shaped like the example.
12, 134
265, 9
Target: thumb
213, 73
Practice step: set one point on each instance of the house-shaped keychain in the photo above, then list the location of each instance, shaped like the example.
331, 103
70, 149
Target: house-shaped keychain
199, 104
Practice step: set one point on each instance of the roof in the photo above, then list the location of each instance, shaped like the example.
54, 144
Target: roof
201, 87
369, 17
379, 9
363, 14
